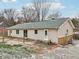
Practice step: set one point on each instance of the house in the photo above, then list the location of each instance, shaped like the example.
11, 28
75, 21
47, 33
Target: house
3, 30
57, 31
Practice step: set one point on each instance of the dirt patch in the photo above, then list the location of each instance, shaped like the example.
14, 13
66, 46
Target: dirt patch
38, 46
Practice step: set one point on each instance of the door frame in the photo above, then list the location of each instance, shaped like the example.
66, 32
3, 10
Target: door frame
25, 32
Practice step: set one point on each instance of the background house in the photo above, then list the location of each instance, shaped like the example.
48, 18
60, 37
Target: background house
75, 21
57, 31
3, 30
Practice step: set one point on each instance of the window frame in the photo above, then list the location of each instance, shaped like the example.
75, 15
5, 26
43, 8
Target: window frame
35, 31
25, 33
17, 31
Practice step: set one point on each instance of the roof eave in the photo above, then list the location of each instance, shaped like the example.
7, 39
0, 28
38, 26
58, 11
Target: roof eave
33, 29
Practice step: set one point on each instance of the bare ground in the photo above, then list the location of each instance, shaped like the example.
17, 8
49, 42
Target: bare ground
45, 51
39, 46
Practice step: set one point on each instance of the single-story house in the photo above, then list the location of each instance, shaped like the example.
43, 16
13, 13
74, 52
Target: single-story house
57, 31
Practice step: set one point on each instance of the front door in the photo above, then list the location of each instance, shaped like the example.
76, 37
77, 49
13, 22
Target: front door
25, 33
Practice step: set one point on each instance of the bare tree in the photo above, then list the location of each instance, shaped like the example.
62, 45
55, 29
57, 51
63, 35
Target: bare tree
10, 16
1, 15
55, 14
1, 21
19, 20
41, 8
28, 14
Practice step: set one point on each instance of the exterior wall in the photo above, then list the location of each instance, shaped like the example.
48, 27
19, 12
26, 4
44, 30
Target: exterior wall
13, 33
62, 31
3, 32
65, 33
53, 35
39, 36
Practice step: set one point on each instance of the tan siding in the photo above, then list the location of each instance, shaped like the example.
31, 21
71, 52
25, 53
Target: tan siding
39, 36
53, 35
63, 30
17, 35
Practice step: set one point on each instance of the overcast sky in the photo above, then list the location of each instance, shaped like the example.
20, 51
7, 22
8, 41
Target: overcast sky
67, 7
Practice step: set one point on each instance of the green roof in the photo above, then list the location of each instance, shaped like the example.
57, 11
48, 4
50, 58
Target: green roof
47, 24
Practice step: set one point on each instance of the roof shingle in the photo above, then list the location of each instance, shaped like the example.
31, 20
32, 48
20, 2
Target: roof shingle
47, 24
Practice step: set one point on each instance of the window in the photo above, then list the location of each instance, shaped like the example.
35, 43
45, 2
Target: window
17, 31
66, 32
45, 32
36, 31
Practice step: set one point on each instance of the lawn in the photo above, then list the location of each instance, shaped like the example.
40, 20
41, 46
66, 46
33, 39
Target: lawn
15, 51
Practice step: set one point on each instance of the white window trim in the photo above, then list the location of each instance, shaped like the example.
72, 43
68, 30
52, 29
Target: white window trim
16, 31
